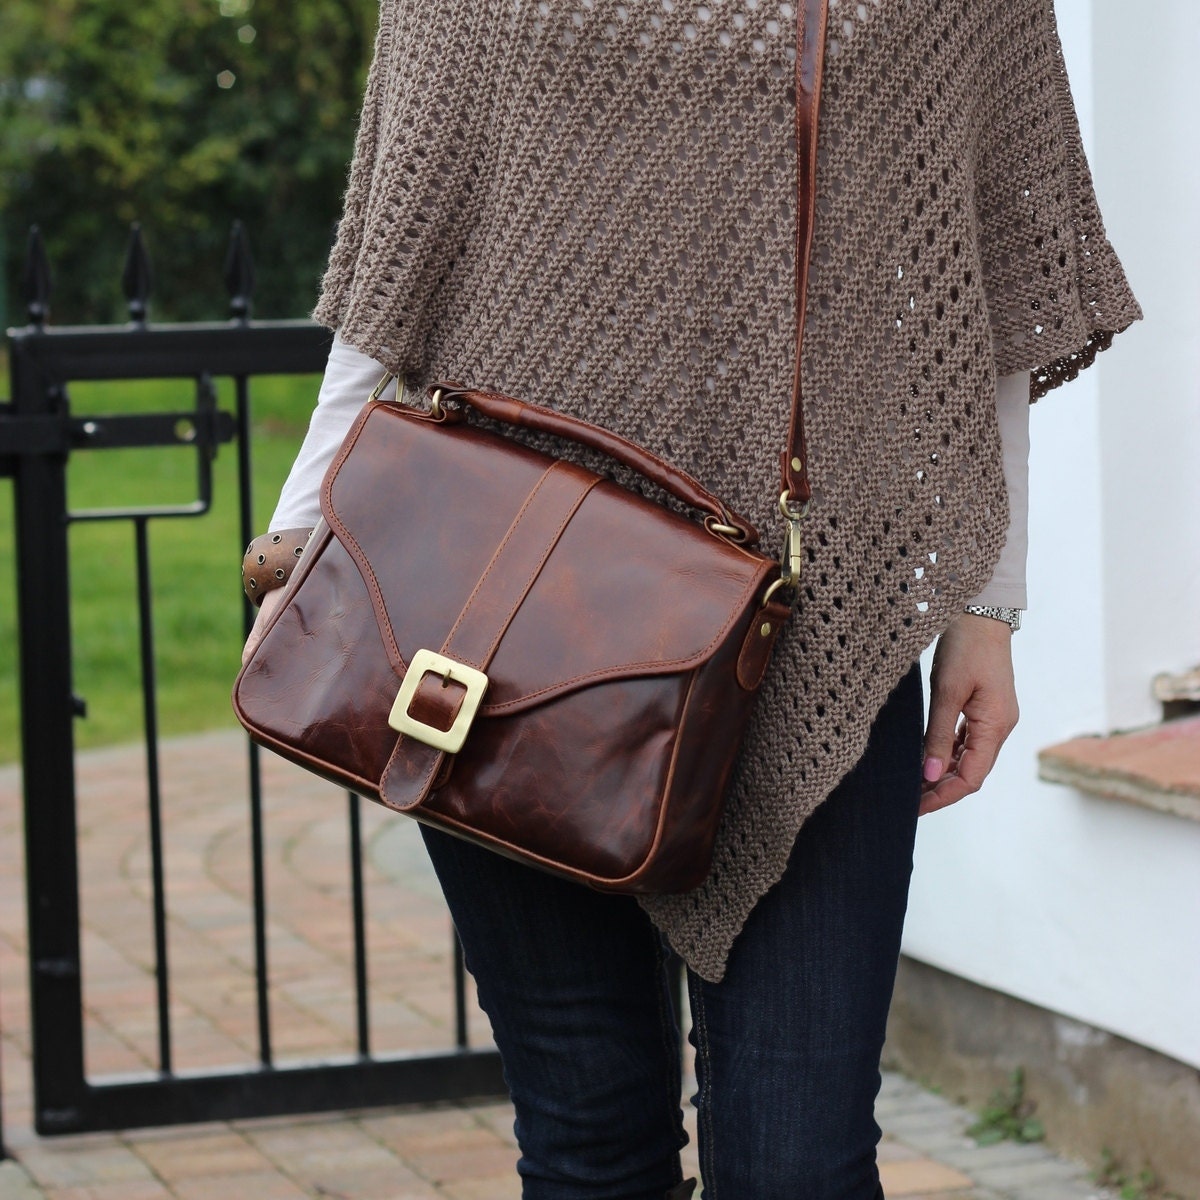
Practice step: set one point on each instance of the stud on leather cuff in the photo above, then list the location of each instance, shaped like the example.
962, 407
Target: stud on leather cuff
270, 560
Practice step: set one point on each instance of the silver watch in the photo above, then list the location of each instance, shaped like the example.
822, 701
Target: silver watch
1012, 616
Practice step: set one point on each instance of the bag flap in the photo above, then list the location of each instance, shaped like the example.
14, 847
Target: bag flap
628, 588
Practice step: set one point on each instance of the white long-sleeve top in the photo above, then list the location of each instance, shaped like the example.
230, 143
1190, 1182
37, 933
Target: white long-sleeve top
351, 376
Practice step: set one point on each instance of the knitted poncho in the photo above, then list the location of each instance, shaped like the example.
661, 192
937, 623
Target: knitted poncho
590, 204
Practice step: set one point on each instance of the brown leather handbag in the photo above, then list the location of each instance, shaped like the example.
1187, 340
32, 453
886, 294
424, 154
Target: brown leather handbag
562, 671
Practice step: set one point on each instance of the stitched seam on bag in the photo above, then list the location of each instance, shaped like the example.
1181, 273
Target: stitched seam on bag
399, 662
288, 750
512, 529
661, 666
604, 883
533, 575
664, 792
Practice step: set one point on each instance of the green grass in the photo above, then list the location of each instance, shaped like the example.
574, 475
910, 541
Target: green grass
195, 565
1008, 1115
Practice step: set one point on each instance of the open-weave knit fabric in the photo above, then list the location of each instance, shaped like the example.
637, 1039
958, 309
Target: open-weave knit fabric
590, 204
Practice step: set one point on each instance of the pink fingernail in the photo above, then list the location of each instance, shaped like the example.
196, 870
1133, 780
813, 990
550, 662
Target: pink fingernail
933, 770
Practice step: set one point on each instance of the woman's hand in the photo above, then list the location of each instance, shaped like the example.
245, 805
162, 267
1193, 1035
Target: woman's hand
270, 602
972, 677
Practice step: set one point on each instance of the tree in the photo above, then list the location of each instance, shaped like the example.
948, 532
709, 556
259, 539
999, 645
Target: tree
183, 115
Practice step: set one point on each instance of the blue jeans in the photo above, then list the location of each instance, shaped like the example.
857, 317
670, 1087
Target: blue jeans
576, 985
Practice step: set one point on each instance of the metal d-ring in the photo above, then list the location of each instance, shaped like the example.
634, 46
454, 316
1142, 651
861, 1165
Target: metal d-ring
785, 507
735, 533
778, 586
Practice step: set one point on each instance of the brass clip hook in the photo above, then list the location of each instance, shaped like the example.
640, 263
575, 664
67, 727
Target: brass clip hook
792, 558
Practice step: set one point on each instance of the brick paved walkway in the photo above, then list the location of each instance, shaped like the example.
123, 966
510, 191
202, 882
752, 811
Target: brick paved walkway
462, 1152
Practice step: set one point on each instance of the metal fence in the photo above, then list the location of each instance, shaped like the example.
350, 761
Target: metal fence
38, 437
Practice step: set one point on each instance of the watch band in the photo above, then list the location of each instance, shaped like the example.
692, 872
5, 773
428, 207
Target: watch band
1010, 616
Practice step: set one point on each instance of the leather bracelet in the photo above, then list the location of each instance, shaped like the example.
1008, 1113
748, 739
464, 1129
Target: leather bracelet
270, 560
1010, 616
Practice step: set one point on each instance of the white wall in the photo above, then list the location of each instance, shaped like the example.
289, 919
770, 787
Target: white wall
1147, 164
1084, 906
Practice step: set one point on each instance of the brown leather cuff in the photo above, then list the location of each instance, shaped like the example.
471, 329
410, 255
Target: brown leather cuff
270, 560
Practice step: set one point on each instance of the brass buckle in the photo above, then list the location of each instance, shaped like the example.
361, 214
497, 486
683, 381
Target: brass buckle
428, 662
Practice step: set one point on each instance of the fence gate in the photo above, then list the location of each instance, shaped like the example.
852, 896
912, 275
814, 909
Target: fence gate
38, 437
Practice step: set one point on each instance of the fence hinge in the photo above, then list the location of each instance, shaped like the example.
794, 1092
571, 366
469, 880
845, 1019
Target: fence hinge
45, 433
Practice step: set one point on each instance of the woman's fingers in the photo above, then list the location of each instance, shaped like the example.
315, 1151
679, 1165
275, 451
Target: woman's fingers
972, 709
968, 769
946, 700
269, 604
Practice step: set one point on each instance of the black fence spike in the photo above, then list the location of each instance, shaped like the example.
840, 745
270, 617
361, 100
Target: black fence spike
137, 280
239, 273
39, 283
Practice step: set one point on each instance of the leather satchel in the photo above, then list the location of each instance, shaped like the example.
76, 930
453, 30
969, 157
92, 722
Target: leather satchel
510, 647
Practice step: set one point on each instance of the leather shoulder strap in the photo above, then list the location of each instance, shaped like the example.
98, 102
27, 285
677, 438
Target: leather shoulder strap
811, 22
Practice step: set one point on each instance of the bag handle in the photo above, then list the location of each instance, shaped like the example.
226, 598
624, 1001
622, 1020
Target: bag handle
811, 23
719, 518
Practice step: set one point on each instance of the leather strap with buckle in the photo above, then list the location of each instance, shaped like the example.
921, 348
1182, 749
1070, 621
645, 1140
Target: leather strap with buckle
442, 691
